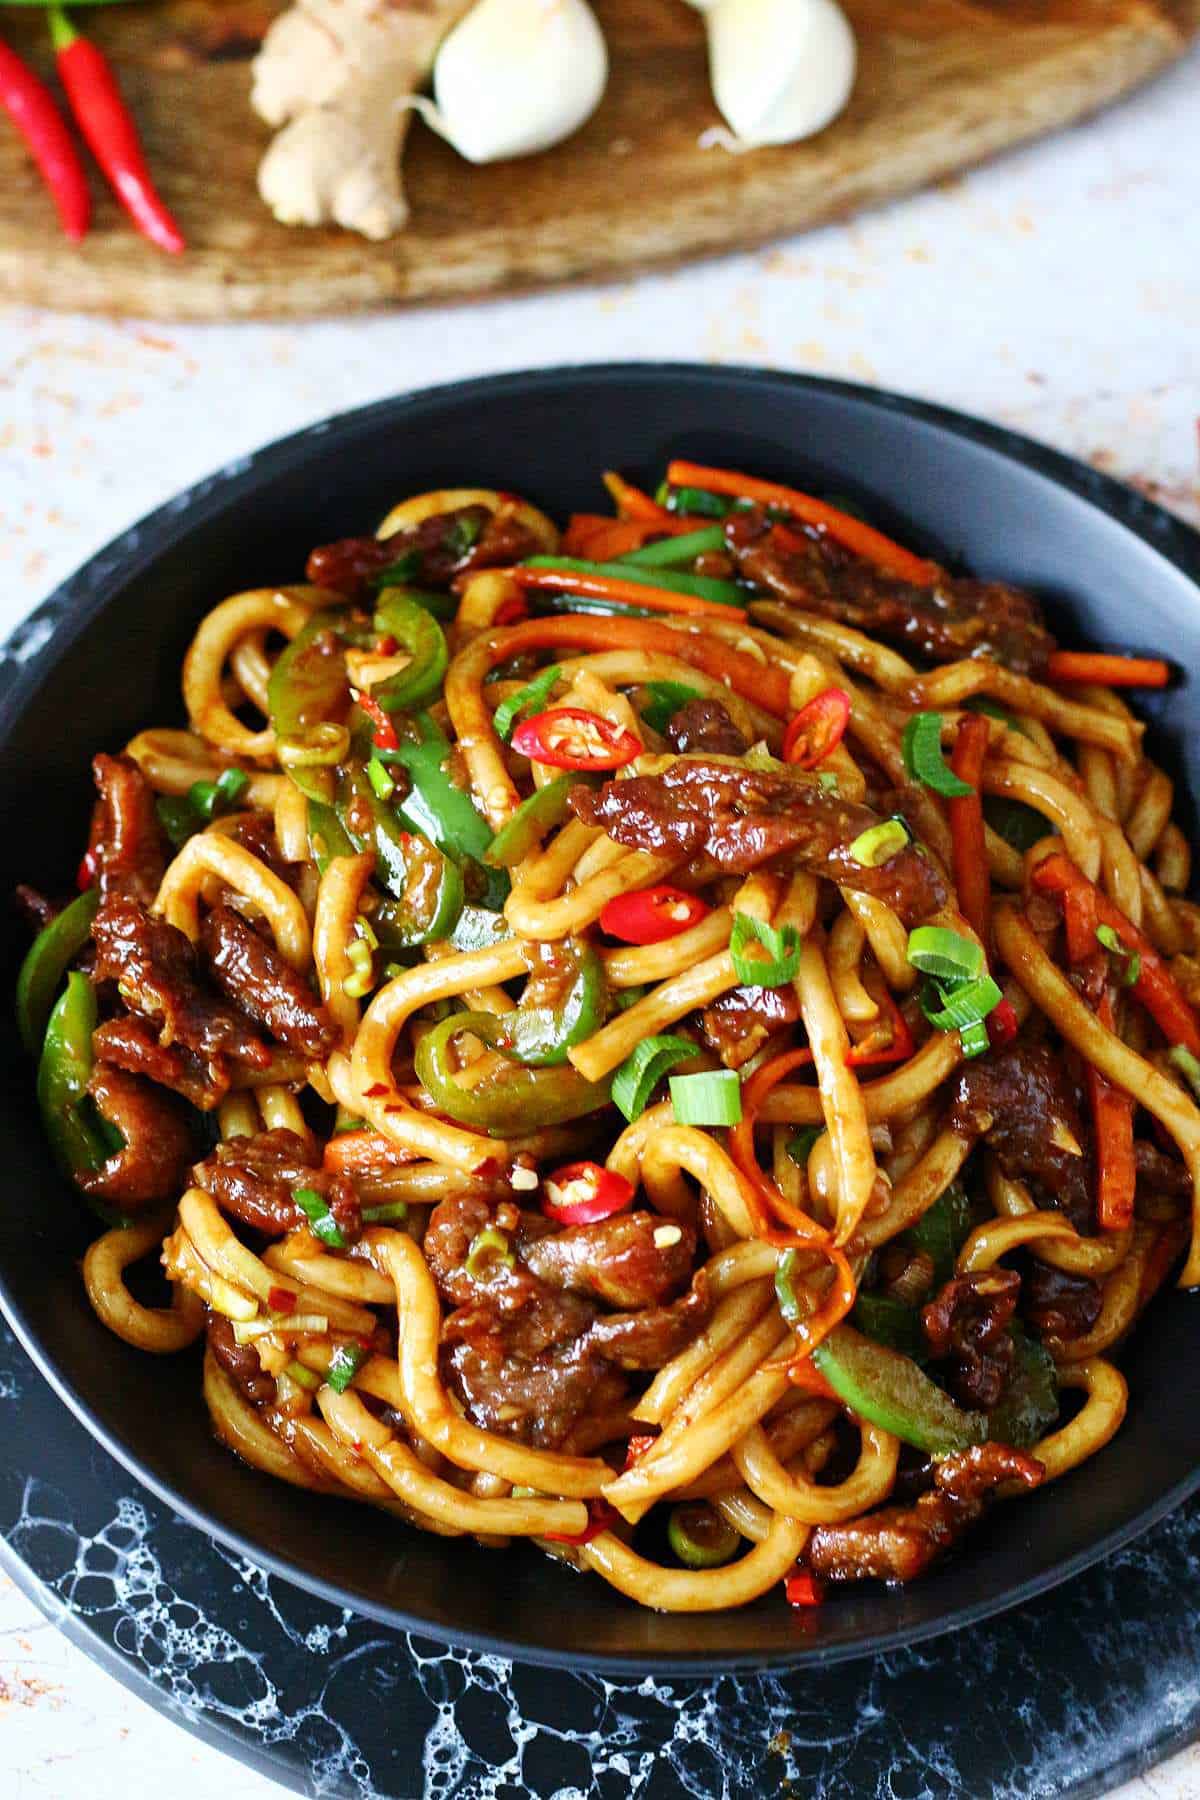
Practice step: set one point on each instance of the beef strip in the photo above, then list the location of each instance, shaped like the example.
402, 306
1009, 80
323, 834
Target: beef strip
739, 1022
151, 1165
743, 817
898, 1543
263, 983
952, 618
158, 974
240, 1362
968, 1322
440, 548
1059, 1305
131, 1043
1022, 1104
1158, 1173
254, 1179
131, 852
704, 726
527, 1348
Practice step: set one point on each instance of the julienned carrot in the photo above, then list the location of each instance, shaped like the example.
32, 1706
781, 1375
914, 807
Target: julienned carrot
1112, 1128
850, 532
622, 593
600, 539
768, 687
1107, 671
968, 843
1155, 987
630, 501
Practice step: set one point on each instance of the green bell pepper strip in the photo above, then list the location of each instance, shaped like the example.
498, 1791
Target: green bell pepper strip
888, 1321
942, 1230
539, 1035
664, 700
80, 1142
479, 928
889, 1390
677, 552
326, 836
309, 688
545, 808
394, 578
426, 884
441, 811
418, 632
1029, 1404
46, 963
703, 587
522, 1100
429, 907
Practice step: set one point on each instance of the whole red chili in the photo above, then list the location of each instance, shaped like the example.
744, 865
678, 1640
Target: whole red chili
817, 729
111, 134
652, 915
570, 738
33, 110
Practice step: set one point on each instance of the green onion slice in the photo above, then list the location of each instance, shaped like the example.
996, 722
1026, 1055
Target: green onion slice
923, 759
1130, 960
644, 1068
389, 1212
666, 698
713, 1097
316, 1210
879, 843
785, 1290
966, 1003
381, 781
799, 1145
946, 954
489, 1251
700, 1537
974, 1039
533, 696
302, 1377
1181, 1058
344, 1365
782, 946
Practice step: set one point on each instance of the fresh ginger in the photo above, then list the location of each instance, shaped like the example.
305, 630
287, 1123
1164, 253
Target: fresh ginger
335, 74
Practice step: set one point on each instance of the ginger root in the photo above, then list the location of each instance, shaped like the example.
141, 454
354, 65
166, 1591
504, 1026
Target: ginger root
335, 75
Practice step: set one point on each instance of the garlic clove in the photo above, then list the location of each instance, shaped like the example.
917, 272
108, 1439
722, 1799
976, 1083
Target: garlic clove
781, 69
515, 77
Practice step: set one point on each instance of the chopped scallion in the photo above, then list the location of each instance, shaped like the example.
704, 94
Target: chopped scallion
315, 1208
799, 1145
381, 781
879, 843
532, 697
713, 1097
302, 1377
963, 1004
946, 954
700, 1537
785, 1290
782, 946
1130, 960
923, 759
644, 1068
344, 1365
489, 1251
389, 1212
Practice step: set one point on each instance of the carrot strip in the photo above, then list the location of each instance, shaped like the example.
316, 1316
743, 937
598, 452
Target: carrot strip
1112, 1126
623, 593
1107, 671
767, 687
597, 538
851, 533
630, 501
1080, 919
901, 1046
1155, 986
967, 841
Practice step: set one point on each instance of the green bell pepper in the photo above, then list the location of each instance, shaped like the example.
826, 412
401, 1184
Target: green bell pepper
702, 587
1029, 1404
942, 1231
443, 812
889, 1390
308, 692
479, 928
545, 808
80, 1139
46, 963
519, 1101
416, 631
563, 1003
888, 1321
428, 908
327, 837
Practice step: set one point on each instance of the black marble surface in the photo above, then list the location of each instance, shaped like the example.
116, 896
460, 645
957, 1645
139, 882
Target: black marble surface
1067, 1696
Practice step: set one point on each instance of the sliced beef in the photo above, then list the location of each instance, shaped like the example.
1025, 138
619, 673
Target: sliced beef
264, 984
254, 1180
151, 1166
898, 1543
952, 618
744, 817
240, 1362
704, 725
528, 1375
1158, 1173
132, 1043
158, 975
129, 846
967, 1323
1023, 1106
1059, 1305
651, 1337
430, 554
615, 1260
739, 1023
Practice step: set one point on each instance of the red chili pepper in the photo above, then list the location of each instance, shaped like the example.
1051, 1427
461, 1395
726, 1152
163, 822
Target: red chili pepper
281, 1300
817, 729
85, 875
570, 738
803, 1590
900, 1048
511, 610
1002, 1024
582, 1192
637, 1447
33, 110
385, 731
110, 132
601, 1517
652, 915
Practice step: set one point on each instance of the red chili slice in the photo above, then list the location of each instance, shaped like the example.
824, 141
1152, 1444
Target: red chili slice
582, 1192
385, 731
570, 738
652, 914
1002, 1024
601, 1517
803, 1590
281, 1300
900, 1048
817, 729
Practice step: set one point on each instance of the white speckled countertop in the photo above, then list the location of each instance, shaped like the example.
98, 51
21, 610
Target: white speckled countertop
1057, 292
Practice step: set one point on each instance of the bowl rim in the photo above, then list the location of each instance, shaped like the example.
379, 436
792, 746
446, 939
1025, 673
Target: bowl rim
42, 636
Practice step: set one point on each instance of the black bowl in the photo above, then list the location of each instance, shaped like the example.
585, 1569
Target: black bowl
102, 659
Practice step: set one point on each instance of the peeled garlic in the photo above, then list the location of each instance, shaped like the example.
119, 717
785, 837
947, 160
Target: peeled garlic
781, 69
515, 77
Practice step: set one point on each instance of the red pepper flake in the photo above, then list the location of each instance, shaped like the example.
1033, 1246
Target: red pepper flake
385, 645
637, 1447
803, 1590
86, 873
489, 1168
601, 1517
385, 731
365, 1342
1002, 1024
281, 1300
376, 1091
510, 611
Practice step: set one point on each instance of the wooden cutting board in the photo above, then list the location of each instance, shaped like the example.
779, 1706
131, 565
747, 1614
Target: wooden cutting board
942, 84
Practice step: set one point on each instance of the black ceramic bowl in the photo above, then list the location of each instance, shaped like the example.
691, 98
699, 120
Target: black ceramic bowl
102, 659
